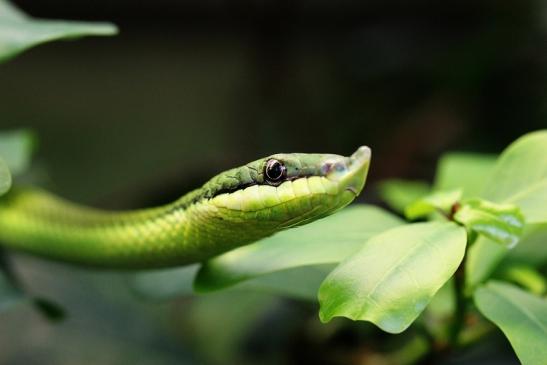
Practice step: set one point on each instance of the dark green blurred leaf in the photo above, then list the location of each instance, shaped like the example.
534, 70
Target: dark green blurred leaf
440, 311
298, 283
520, 315
438, 201
51, 310
218, 323
166, 283
465, 171
520, 177
394, 276
398, 194
502, 223
5, 177
19, 32
16, 149
526, 276
326, 241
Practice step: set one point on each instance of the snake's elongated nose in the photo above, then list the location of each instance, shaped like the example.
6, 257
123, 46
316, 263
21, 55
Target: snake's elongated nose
361, 156
359, 163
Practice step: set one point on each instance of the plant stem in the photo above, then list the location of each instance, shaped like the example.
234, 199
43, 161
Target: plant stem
461, 300
460, 306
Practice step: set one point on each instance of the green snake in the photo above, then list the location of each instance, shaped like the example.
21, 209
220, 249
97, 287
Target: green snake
234, 208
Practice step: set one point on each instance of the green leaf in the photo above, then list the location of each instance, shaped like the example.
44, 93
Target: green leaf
525, 276
502, 223
482, 258
298, 283
485, 255
394, 276
5, 177
19, 32
326, 241
466, 171
16, 149
521, 316
520, 177
398, 194
165, 283
440, 200
532, 248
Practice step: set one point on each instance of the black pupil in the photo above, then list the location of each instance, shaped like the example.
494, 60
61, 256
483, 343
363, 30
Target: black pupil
274, 170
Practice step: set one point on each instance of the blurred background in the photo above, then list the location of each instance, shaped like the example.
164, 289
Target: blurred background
191, 88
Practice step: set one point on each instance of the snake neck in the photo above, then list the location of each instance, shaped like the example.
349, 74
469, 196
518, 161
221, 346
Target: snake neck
187, 230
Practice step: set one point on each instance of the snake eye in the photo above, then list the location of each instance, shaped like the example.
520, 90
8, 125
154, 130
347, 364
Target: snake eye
275, 170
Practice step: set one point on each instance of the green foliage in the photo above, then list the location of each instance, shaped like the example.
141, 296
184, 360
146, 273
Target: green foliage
525, 276
520, 177
399, 194
365, 264
520, 315
504, 205
327, 241
441, 201
5, 177
502, 223
15, 153
465, 171
16, 148
19, 32
391, 290
531, 249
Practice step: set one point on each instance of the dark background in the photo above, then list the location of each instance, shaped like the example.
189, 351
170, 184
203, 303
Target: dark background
191, 88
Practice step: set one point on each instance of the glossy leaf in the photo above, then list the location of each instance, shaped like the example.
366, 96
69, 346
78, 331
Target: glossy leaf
465, 171
394, 276
521, 316
437, 201
326, 241
520, 177
502, 223
485, 255
19, 32
5, 177
398, 194
16, 149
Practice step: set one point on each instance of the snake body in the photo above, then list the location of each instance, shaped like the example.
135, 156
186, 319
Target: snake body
234, 208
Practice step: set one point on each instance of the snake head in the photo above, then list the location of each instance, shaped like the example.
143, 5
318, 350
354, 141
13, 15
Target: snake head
286, 190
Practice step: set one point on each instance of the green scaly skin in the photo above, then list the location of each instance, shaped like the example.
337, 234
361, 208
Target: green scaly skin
234, 208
